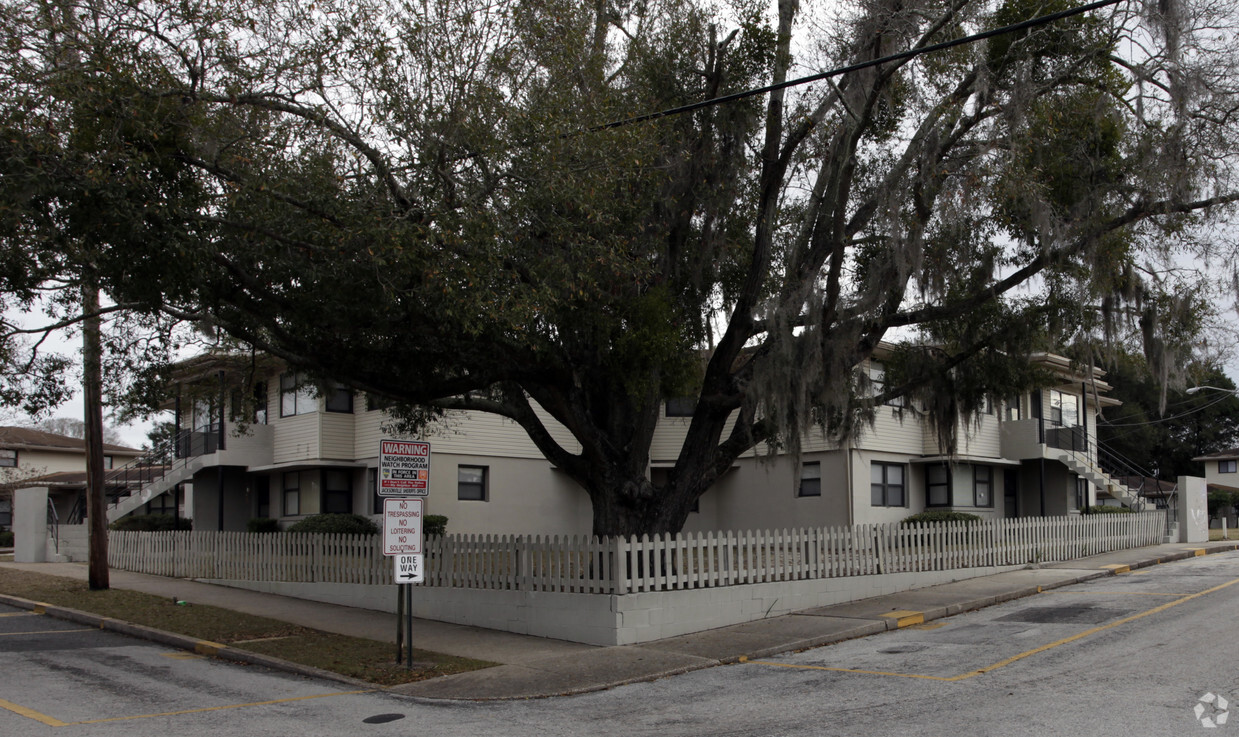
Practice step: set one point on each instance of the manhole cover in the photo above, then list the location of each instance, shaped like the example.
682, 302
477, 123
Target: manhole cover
382, 718
1064, 615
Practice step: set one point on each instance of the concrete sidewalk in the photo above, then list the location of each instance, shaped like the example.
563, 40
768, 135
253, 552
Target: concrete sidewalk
533, 667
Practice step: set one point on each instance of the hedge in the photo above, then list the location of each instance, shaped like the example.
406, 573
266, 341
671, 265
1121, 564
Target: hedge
336, 524
938, 515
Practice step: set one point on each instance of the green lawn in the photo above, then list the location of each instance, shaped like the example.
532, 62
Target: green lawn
367, 660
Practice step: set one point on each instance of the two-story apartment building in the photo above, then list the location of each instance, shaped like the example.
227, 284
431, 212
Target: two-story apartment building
293, 451
57, 461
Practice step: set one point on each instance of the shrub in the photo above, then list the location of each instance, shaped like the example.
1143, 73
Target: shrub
151, 523
434, 525
938, 515
1105, 510
336, 524
262, 524
6, 539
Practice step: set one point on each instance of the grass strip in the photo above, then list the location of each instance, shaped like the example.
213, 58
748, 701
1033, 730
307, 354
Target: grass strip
368, 660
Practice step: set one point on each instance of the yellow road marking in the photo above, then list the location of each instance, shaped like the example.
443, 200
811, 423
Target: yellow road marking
1013, 658
183, 656
19, 614
1118, 593
929, 626
44, 632
217, 708
32, 714
906, 617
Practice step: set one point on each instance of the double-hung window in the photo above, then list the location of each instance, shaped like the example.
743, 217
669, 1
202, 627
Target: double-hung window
292, 494
886, 484
337, 492
8, 458
810, 479
471, 483
296, 395
1227, 466
937, 486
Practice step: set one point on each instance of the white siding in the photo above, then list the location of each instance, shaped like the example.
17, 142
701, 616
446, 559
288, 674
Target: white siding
296, 438
336, 435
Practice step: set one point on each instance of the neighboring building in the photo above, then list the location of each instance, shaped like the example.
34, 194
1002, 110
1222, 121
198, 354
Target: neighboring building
28, 455
1222, 472
290, 453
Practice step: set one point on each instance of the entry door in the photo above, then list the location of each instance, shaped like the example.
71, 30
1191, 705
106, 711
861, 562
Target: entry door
1011, 492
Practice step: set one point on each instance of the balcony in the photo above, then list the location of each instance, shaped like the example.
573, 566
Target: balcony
1030, 439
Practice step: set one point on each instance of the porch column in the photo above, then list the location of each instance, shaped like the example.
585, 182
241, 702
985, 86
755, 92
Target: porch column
1193, 510
30, 525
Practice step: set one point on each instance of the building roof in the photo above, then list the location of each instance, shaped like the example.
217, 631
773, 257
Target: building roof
27, 438
1222, 455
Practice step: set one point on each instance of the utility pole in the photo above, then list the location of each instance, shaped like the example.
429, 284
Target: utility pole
92, 391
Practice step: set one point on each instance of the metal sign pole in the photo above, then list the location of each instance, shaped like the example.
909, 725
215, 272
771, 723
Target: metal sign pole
399, 624
408, 625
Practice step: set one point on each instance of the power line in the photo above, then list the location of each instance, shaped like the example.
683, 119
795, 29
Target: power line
911, 53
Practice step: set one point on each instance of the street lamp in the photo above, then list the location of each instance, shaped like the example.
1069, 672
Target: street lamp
1195, 389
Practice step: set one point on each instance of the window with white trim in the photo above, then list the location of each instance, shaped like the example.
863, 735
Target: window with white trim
8, 458
1227, 466
1064, 409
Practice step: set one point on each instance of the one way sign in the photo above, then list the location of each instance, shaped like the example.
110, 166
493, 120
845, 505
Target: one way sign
409, 568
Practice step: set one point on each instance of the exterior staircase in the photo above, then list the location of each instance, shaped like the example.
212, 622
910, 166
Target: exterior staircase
1102, 481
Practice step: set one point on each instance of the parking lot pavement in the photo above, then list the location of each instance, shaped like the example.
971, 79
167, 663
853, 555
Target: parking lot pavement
63, 674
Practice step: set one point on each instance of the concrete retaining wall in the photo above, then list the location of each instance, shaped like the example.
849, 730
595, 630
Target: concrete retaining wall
605, 619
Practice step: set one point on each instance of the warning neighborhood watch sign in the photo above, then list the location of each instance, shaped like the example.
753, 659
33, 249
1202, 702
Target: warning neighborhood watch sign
404, 468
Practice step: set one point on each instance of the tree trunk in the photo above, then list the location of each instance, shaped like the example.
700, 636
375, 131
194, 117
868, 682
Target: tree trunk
92, 391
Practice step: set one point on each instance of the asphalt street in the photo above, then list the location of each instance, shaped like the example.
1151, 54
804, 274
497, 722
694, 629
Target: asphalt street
1151, 652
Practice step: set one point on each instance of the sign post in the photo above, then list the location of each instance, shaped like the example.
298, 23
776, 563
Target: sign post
403, 484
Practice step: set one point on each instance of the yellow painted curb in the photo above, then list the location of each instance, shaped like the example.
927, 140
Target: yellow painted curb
905, 617
1118, 568
206, 647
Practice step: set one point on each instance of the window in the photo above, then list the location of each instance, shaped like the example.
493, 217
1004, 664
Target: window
938, 486
8, 459
982, 486
810, 479
1064, 409
292, 494
6, 513
163, 504
1034, 405
877, 385
1081, 497
886, 484
374, 402
107, 462
681, 406
337, 492
296, 396
1226, 466
471, 483
340, 399
1013, 407
989, 405
260, 403
372, 483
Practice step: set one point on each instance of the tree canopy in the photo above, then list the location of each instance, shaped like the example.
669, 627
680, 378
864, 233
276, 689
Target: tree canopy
425, 201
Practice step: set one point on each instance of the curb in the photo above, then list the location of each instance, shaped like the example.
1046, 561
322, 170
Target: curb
182, 642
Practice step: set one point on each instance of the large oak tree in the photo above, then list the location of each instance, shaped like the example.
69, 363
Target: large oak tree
423, 201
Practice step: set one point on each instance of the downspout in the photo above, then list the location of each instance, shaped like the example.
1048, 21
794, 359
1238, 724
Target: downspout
847, 474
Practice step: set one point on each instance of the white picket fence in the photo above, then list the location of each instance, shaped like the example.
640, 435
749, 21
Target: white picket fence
630, 565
